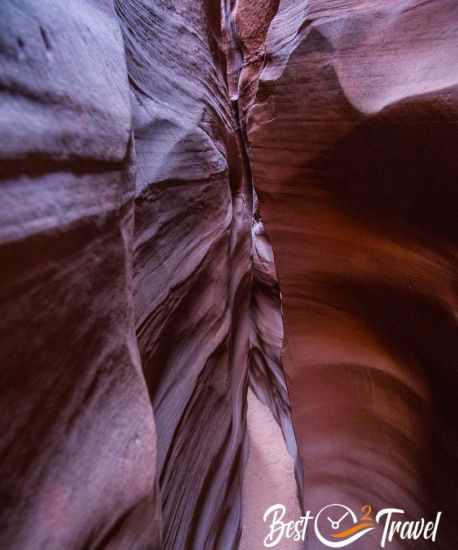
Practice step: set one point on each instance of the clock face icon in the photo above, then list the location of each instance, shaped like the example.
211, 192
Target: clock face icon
336, 525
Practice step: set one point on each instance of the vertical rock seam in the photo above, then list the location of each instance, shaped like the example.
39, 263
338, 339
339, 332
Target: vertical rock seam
206, 297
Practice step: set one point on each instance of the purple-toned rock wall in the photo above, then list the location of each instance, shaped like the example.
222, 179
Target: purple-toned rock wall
150, 153
78, 449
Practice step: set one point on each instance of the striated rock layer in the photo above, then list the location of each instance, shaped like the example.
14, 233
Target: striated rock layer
77, 451
207, 301
192, 264
128, 237
138, 275
352, 136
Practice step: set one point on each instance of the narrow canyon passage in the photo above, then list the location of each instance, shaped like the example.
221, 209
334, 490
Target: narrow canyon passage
228, 238
215, 326
269, 477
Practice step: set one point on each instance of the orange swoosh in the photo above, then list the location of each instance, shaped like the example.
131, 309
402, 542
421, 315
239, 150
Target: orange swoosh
355, 529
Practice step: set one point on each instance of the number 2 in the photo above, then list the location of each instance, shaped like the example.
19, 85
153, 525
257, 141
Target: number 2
367, 511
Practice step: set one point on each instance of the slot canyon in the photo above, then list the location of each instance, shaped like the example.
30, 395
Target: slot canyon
229, 271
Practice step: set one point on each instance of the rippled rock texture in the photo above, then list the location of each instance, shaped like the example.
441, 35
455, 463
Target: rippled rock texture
353, 138
138, 275
78, 451
192, 263
128, 238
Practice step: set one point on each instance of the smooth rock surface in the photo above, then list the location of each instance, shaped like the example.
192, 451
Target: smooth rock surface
352, 138
78, 449
138, 272
269, 477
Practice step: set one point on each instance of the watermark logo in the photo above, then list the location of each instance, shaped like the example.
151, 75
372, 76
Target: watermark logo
337, 525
